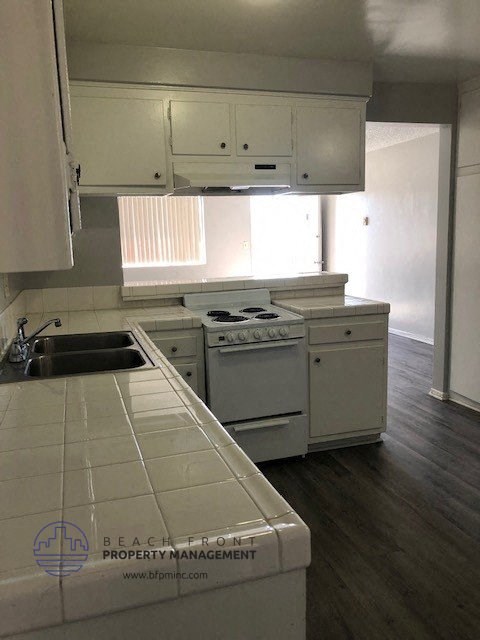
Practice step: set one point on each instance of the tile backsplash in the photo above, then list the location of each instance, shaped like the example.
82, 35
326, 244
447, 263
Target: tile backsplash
45, 300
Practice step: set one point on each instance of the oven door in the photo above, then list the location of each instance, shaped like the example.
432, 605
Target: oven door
258, 380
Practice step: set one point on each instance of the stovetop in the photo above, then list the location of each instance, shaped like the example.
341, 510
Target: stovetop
253, 316
243, 317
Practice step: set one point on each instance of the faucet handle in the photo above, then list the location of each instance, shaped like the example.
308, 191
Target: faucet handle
21, 322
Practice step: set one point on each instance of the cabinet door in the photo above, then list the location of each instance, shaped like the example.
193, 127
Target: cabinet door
346, 389
263, 130
34, 172
329, 145
119, 141
189, 373
200, 128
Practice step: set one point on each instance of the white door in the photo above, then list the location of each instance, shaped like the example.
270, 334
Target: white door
346, 389
329, 145
119, 141
263, 130
200, 128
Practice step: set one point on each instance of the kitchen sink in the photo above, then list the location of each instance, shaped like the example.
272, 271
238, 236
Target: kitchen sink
82, 342
77, 354
64, 364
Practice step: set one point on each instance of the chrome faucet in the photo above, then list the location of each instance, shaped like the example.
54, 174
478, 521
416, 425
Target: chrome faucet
19, 348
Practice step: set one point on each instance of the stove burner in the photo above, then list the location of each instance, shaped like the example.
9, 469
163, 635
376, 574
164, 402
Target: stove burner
252, 310
230, 318
216, 313
267, 316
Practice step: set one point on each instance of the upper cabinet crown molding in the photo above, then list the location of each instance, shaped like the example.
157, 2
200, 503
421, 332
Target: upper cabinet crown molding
322, 139
37, 168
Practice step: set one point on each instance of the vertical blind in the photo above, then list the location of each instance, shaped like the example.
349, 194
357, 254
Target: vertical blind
161, 230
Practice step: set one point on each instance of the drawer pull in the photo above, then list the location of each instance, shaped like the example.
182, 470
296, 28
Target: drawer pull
317, 360
189, 373
348, 332
174, 349
254, 426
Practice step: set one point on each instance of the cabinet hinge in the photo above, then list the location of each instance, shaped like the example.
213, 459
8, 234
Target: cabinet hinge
170, 142
169, 112
73, 172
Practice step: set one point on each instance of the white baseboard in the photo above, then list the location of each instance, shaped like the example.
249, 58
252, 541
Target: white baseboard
465, 402
439, 395
412, 336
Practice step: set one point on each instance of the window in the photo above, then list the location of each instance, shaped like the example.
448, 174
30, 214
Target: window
286, 236
161, 231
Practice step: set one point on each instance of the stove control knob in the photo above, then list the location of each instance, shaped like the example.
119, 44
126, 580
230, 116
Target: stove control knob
272, 333
241, 336
230, 337
257, 334
283, 331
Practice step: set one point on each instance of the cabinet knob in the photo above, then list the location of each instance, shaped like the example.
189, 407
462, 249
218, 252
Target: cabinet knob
174, 349
189, 373
348, 332
317, 360
305, 176
157, 175
223, 145
245, 146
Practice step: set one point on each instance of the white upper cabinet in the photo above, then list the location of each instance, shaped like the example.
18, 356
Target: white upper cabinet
263, 130
133, 139
119, 138
330, 145
36, 165
200, 128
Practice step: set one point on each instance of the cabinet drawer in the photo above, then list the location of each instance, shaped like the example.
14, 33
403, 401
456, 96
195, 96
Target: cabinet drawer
346, 332
177, 346
273, 438
189, 373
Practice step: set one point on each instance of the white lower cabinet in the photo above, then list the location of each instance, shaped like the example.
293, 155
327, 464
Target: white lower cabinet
184, 348
189, 373
347, 378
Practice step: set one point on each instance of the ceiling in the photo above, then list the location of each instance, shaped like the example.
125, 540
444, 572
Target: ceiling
386, 134
407, 40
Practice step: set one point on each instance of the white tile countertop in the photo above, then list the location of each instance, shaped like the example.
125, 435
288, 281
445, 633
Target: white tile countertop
135, 457
325, 306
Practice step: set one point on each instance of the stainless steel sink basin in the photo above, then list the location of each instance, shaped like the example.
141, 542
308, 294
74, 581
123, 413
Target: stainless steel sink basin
64, 364
82, 342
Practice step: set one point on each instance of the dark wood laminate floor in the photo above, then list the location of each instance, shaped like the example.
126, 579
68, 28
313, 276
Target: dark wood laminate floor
395, 526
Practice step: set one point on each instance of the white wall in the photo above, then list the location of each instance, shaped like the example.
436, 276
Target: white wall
393, 258
465, 349
227, 228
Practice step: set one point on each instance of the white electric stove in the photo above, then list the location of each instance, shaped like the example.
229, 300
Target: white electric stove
256, 370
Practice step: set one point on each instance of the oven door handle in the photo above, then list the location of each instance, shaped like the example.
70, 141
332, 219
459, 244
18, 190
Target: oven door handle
260, 345
265, 424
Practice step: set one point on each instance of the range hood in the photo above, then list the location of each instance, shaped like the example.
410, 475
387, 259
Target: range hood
215, 178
